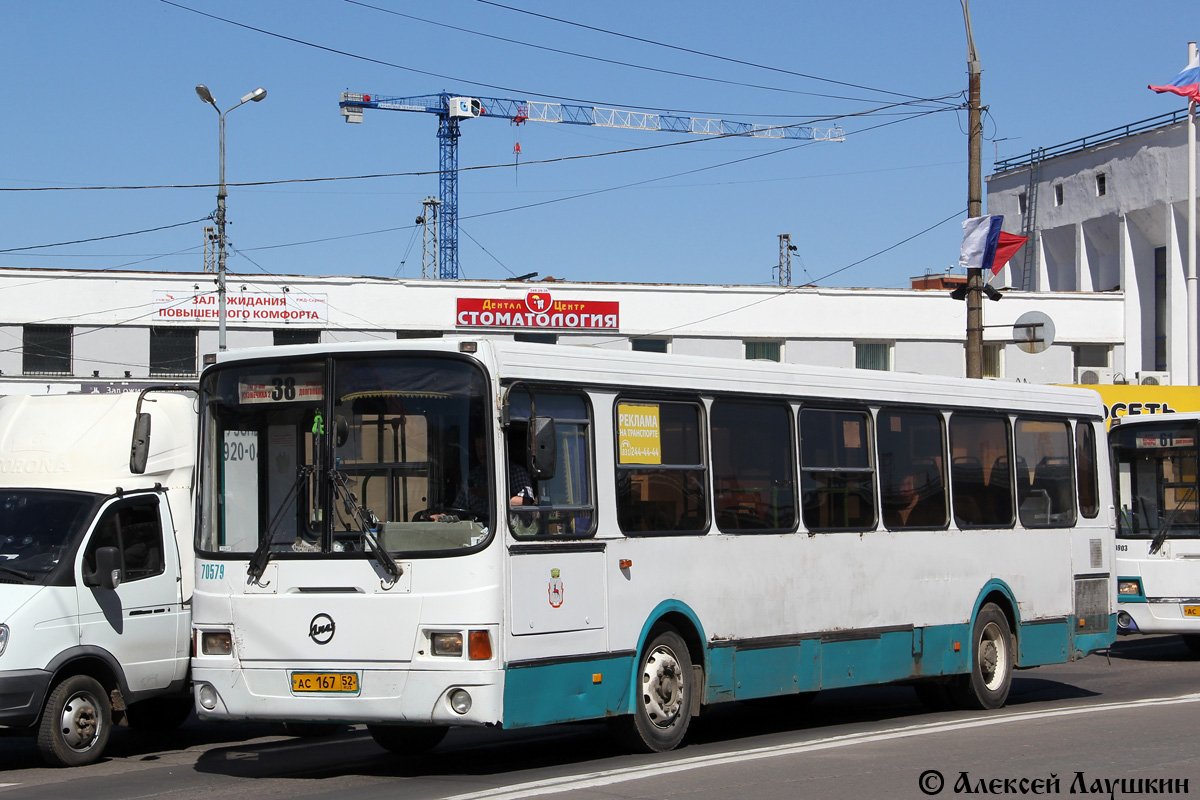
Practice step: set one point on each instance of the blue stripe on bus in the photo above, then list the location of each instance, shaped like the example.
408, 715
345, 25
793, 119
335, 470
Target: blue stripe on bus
545, 694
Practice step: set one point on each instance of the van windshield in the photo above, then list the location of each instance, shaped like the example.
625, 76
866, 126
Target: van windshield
39, 530
352, 455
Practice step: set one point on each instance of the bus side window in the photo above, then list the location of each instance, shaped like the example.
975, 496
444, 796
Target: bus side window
1049, 500
1085, 466
562, 506
981, 484
753, 460
912, 473
661, 474
837, 477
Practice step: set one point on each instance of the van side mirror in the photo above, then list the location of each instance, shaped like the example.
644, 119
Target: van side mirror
543, 448
139, 451
107, 574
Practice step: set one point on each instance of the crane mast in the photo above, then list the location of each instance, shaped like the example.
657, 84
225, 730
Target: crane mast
450, 109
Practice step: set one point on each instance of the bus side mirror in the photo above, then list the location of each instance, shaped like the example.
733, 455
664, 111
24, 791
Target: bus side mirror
543, 448
107, 574
140, 449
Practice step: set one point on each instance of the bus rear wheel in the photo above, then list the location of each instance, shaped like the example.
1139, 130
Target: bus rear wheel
663, 697
987, 684
407, 740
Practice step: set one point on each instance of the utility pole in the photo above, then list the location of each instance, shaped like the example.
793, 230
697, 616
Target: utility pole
786, 248
429, 221
974, 202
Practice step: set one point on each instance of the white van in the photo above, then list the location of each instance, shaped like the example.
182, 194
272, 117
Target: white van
96, 568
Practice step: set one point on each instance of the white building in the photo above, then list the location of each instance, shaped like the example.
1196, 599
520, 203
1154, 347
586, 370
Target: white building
1107, 213
88, 331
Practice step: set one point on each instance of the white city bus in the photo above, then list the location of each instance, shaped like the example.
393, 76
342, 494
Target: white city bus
1158, 525
699, 531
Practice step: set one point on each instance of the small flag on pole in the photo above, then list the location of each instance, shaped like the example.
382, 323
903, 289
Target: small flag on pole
985, 246
1186, 83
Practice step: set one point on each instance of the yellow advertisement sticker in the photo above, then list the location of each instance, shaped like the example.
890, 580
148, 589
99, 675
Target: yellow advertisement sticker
638, 434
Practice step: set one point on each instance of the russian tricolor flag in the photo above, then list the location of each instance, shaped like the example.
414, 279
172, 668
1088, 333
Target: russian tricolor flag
985, 246
1186, 83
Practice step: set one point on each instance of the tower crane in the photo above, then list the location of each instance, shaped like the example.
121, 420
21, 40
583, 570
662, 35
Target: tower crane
450, 109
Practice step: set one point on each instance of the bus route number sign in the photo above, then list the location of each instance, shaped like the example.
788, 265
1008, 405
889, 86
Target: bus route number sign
1165, 440
297, 388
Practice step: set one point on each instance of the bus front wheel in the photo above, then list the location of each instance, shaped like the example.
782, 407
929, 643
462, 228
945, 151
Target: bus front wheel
663, 697
987, 684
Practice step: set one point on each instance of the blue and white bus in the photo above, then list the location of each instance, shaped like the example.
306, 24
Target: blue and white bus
693, 531
1158, 524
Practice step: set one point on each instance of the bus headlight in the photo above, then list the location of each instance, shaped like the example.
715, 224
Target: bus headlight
460, 701
3, 638
1129, 586
215, 643
446, 644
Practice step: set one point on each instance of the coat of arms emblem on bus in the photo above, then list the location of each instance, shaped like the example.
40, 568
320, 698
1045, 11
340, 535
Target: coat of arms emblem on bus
555, 589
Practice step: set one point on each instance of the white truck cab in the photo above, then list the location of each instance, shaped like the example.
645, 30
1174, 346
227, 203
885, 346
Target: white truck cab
96, 568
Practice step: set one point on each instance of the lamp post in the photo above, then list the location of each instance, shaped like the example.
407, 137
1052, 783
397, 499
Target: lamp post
206, 96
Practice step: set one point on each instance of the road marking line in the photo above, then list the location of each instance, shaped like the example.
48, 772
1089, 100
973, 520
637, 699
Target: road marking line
624, 774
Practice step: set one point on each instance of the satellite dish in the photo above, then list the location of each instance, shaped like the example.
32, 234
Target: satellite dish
1033, 331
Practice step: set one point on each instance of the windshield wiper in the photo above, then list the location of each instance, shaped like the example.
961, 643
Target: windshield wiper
258, 561
1157, 542
368, 524
20, 573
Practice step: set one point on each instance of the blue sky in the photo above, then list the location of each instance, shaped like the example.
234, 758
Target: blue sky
102, 94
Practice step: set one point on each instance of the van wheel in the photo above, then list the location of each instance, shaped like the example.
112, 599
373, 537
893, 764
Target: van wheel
663, 697
408, 740
159, 714
987, 685
75, 723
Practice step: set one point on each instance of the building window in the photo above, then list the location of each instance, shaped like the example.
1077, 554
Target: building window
1058, 194
172, 351
1091, 355
1101, 185
536, 338
418, 334
763, 351
647, 345
296, 336
46, 350
1022, 202
873, 355
992, 366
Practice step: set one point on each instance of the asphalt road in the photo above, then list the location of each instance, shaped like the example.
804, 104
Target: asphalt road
1071, 729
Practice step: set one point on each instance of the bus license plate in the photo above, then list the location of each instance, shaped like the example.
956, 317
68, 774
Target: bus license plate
1191, 611
340, 682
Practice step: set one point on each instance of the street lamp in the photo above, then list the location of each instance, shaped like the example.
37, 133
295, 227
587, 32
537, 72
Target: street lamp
206, 96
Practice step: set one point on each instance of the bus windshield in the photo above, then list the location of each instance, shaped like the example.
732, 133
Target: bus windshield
39, 530
346, 455
1155, 470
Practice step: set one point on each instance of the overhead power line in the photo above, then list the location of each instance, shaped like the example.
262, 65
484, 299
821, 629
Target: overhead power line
110, 236
616, 62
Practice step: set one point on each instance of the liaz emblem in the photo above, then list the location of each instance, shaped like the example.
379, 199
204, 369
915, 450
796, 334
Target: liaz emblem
555, 589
